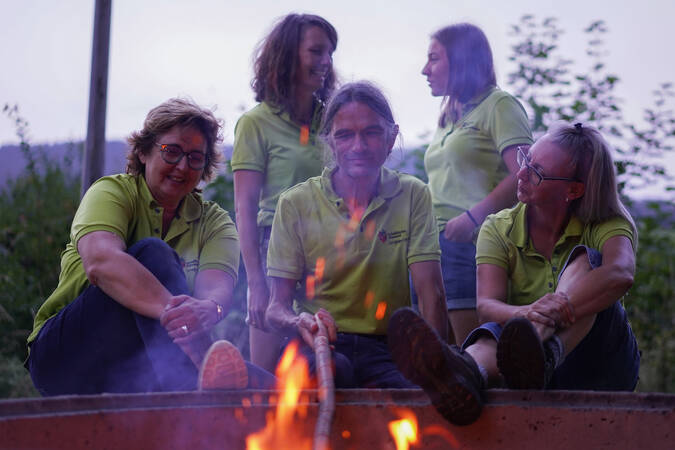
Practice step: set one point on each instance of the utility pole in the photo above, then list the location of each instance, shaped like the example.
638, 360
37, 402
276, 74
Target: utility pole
94, 148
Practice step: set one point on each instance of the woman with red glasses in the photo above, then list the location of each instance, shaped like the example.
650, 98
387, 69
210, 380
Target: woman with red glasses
148, 272
551, 275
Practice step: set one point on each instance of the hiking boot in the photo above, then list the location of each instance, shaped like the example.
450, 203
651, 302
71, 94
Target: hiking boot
450, 377
521, 357
223, 368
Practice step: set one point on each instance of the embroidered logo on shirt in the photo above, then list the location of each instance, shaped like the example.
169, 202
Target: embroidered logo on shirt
393, 237
382, 236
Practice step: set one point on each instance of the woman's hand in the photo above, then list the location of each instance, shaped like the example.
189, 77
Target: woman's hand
185, 316
258, 300
459, 229
308, 326
553, 310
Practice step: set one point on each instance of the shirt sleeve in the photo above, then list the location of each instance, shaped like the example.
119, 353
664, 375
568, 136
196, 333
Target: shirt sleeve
220, 245
423, 244
617, 226
249, 148
490, 246
106, 206
508, 124
285, 257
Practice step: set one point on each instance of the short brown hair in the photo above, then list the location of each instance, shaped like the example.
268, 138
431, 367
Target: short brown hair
176, 112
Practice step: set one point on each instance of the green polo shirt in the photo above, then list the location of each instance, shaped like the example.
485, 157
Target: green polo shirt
202, 234
267, 140
504, 242
463, 160
356, 268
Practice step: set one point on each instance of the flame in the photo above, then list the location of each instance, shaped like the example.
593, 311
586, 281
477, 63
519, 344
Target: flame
370, 298
283, 428
304, 135
404, 431
381, 310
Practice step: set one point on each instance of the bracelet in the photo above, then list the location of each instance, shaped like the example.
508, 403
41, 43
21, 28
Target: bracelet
468, 213
219, 311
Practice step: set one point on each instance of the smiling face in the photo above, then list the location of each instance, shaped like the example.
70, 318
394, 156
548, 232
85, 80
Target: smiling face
170, 183
361, 141
315, 59
437, 69
550, 161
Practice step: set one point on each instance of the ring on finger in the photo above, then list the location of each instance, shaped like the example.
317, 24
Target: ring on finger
185, 329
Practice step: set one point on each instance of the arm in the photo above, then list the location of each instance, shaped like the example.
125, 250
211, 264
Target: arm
120, 275
461, 228
247, 188
428, 282
280, 315
599, 288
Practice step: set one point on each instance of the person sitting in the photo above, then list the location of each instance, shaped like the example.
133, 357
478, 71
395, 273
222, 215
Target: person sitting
551, 273
149, 270
349, 238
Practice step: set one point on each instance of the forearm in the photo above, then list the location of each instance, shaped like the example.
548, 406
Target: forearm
129, 283
493, 310
599, 289
433, 309
280, 315
247, 228
501, 197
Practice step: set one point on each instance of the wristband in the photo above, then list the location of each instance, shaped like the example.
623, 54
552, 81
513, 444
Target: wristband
468, 213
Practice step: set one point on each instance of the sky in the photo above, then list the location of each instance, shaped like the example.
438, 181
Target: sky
203, 48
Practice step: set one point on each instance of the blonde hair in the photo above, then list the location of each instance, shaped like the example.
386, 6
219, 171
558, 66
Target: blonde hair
594, 166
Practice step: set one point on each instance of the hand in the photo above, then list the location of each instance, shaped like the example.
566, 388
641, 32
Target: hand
459, 229
258, 300
308, 326
185, 316
553, 310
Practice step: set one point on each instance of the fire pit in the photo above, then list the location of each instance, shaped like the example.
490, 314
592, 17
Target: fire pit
223, 420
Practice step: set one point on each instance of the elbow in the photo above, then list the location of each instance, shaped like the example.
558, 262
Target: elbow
93, 271
624, 281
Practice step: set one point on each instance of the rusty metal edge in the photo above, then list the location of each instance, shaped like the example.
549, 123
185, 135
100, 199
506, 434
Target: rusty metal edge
76, 404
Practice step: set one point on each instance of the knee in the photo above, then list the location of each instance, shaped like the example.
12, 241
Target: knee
156, 256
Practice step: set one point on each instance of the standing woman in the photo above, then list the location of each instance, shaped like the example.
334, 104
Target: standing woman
276, 147
471, 161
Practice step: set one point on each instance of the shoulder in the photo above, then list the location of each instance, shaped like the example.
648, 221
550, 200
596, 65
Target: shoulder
597, 233
502, 222
301, 192
117, 185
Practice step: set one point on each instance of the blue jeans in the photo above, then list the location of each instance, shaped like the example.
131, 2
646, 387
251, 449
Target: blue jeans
458, 265
362, 361
606, 359
95, 345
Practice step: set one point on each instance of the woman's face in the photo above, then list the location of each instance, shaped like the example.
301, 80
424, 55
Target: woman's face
361, 140
437, 69
170, 183
550, 161
315, 59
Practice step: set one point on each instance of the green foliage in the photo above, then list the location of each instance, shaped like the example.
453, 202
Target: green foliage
36, 210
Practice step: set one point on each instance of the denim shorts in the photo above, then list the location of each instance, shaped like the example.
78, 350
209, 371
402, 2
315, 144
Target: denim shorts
607, 359
458, 263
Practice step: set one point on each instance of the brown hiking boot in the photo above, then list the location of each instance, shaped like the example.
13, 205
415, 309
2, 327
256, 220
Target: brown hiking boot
223, 368
521, 357
449, 376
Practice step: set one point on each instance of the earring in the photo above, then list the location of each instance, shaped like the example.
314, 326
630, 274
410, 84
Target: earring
567, 199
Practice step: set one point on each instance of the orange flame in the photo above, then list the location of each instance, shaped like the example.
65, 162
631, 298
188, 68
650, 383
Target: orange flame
283, 428
404, 431
381, 310
304, 135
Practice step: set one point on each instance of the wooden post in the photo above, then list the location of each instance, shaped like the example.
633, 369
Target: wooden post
94, 149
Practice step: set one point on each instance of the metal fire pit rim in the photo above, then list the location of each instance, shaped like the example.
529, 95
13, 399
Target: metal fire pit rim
86, 404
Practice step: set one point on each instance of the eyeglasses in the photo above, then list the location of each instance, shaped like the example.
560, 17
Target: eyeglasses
172, 154
535, 177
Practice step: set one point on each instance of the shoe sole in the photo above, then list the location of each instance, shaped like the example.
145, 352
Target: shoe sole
419, 354
520, 355
223, 368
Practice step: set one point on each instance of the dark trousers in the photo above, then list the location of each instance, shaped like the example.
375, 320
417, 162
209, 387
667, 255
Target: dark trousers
95, 344
362, 361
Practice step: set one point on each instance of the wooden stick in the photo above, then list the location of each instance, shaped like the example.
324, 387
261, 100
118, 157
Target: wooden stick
324, 373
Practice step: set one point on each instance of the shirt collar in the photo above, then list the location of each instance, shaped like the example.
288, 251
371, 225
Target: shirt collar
519, 234
190, 208
388, 185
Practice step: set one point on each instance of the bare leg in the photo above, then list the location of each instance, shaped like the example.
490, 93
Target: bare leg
462, 322
484, 352
572, 336
264, 348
